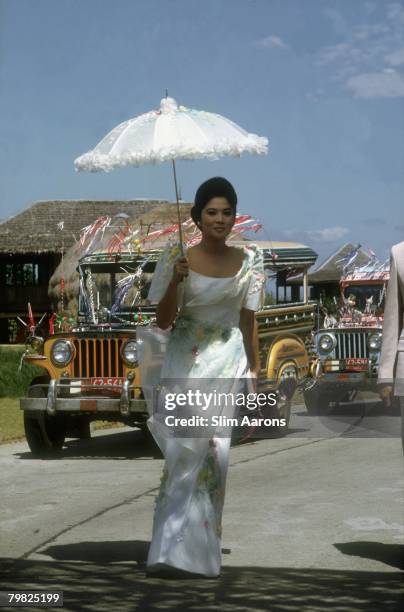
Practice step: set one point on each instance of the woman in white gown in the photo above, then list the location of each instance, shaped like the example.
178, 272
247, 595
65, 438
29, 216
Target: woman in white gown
218, 288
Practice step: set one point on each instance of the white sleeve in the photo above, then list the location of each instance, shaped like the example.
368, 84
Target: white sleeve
253, 297
163, 273
392, 326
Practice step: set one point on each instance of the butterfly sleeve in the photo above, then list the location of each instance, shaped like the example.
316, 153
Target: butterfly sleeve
253, 297
163, 272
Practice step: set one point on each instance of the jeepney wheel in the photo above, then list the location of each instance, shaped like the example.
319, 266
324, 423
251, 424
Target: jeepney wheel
45, 434
283, 407
317, 400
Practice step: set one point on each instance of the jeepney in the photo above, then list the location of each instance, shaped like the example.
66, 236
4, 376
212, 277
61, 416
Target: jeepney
91, 369
346, 348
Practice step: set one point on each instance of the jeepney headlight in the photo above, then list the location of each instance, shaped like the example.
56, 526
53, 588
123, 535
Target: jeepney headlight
375, 341
61, 353
129, 352
326, 343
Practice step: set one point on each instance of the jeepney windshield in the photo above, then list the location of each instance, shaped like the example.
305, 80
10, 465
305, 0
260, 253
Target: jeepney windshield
115, 291
373, 295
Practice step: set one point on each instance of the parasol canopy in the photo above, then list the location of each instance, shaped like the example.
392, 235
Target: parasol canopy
173, 132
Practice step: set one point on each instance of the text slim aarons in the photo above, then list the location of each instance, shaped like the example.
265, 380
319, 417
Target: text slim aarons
223, 421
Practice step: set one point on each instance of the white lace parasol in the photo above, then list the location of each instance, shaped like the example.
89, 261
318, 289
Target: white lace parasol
173, 132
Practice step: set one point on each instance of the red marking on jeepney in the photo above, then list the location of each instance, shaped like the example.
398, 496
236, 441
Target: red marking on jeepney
102, 386
357, 364
88, 405
116, 381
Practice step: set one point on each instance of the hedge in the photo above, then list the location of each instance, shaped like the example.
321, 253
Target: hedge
14, 383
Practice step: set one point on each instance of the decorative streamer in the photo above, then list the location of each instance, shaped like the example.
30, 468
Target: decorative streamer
91, 294
90, 233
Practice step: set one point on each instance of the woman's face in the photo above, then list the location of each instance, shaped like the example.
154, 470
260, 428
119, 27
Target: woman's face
217, 218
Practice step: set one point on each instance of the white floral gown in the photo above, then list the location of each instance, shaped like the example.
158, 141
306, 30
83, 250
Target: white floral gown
206, 342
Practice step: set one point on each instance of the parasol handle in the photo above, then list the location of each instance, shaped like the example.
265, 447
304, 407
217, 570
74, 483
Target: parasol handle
178, 207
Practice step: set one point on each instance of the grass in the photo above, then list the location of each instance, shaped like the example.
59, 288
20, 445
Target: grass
14, 383
11, 419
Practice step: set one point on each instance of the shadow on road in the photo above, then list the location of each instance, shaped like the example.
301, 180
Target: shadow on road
111, 576
129, 445
125, 445
359, 419
360, 407
391, 554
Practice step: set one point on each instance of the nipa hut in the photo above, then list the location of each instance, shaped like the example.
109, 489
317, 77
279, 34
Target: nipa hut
32, 243
141, 225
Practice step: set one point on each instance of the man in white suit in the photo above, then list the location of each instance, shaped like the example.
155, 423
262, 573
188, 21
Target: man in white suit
391, 370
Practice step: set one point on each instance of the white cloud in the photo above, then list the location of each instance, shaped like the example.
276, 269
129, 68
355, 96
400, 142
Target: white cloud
327, 234
343, 53
366, 31
396, 58
386, 84
362, 60
271, 42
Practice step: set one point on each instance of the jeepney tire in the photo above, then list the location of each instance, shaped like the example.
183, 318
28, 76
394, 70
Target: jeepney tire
45, 434
316, 400
283, 408
286, 392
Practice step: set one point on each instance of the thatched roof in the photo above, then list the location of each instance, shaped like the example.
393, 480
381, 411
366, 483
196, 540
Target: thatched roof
35, 230
329, 271
148, 218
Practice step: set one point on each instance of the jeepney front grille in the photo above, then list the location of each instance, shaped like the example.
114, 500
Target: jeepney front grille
98, 357
351, 344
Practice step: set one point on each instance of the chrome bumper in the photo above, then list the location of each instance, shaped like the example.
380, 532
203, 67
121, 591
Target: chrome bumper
58, 401
336, 367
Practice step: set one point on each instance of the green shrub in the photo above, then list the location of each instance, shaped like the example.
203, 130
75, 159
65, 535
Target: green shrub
12, 382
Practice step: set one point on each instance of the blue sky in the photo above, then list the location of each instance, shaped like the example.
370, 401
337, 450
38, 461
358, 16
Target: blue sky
324, 80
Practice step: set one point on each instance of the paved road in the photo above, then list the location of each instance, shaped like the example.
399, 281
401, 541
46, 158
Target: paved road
312, 521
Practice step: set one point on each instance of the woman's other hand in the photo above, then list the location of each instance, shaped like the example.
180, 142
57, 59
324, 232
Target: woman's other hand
180, 271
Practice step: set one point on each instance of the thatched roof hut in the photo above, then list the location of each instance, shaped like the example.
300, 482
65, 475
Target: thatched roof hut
147, 218
35, 230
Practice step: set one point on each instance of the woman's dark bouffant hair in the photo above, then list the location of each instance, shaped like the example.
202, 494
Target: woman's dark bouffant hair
216, 187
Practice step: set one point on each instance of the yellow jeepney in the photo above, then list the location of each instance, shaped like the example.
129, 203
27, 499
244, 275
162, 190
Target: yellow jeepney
90, 368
